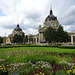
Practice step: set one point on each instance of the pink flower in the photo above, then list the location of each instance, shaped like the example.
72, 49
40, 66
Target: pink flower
52, 71
74, 58
53, 66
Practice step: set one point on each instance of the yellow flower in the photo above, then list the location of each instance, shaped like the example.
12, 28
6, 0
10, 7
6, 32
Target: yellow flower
5, 71
4, 68
3, 65
73, 70
68, 71
0, 66
37, 74
72, 67
64, 68
40, 72
43, 74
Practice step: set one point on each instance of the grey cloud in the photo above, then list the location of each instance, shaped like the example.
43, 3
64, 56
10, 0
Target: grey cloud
69, 16
25, 27
8, 26
33, 15
64, 10
32, 24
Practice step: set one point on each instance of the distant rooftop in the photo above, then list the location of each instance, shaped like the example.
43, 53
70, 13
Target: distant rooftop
18, 28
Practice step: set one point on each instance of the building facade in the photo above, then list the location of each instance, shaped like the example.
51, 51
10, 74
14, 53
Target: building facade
50, 20
9, 39
72, 34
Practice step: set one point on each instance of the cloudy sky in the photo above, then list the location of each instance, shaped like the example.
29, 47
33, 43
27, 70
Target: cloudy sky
32, 13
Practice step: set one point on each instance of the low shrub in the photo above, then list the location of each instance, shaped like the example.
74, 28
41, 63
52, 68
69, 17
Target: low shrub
67, 47
28, 45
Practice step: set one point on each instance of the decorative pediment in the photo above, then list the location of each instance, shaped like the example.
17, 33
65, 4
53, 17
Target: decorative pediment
72, 31
43, 29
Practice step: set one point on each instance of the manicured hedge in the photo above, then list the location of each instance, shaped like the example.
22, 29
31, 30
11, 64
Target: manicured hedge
28, 45
67, 47
32, 45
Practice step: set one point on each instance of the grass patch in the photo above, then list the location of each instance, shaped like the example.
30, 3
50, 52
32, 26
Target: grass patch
49, 54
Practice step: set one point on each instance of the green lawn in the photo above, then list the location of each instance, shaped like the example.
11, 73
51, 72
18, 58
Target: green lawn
22, 54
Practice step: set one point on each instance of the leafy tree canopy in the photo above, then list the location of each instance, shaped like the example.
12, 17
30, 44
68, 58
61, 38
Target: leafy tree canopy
48, 34
1, 40
26, 38
17, 39
53, 35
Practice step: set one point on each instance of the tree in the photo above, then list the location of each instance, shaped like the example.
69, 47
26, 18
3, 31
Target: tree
1, 40
17, 39
26, 38
62, 36
50, 35
56, 35
23, 37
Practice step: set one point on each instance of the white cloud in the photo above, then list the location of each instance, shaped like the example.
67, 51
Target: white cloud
5, 32
31, 31
66, 28
32, 13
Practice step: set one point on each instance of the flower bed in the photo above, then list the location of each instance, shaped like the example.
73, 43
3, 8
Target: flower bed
39, 68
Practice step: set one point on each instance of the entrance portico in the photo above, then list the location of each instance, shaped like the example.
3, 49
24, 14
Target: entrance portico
72, 34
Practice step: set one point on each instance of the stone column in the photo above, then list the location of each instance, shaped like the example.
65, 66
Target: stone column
36, 40
72, 38
28, 39
39, 37
33, 39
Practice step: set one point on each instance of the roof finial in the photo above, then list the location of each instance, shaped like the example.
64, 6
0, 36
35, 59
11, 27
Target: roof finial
18, 24
51, 10
51, 7
18, 21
